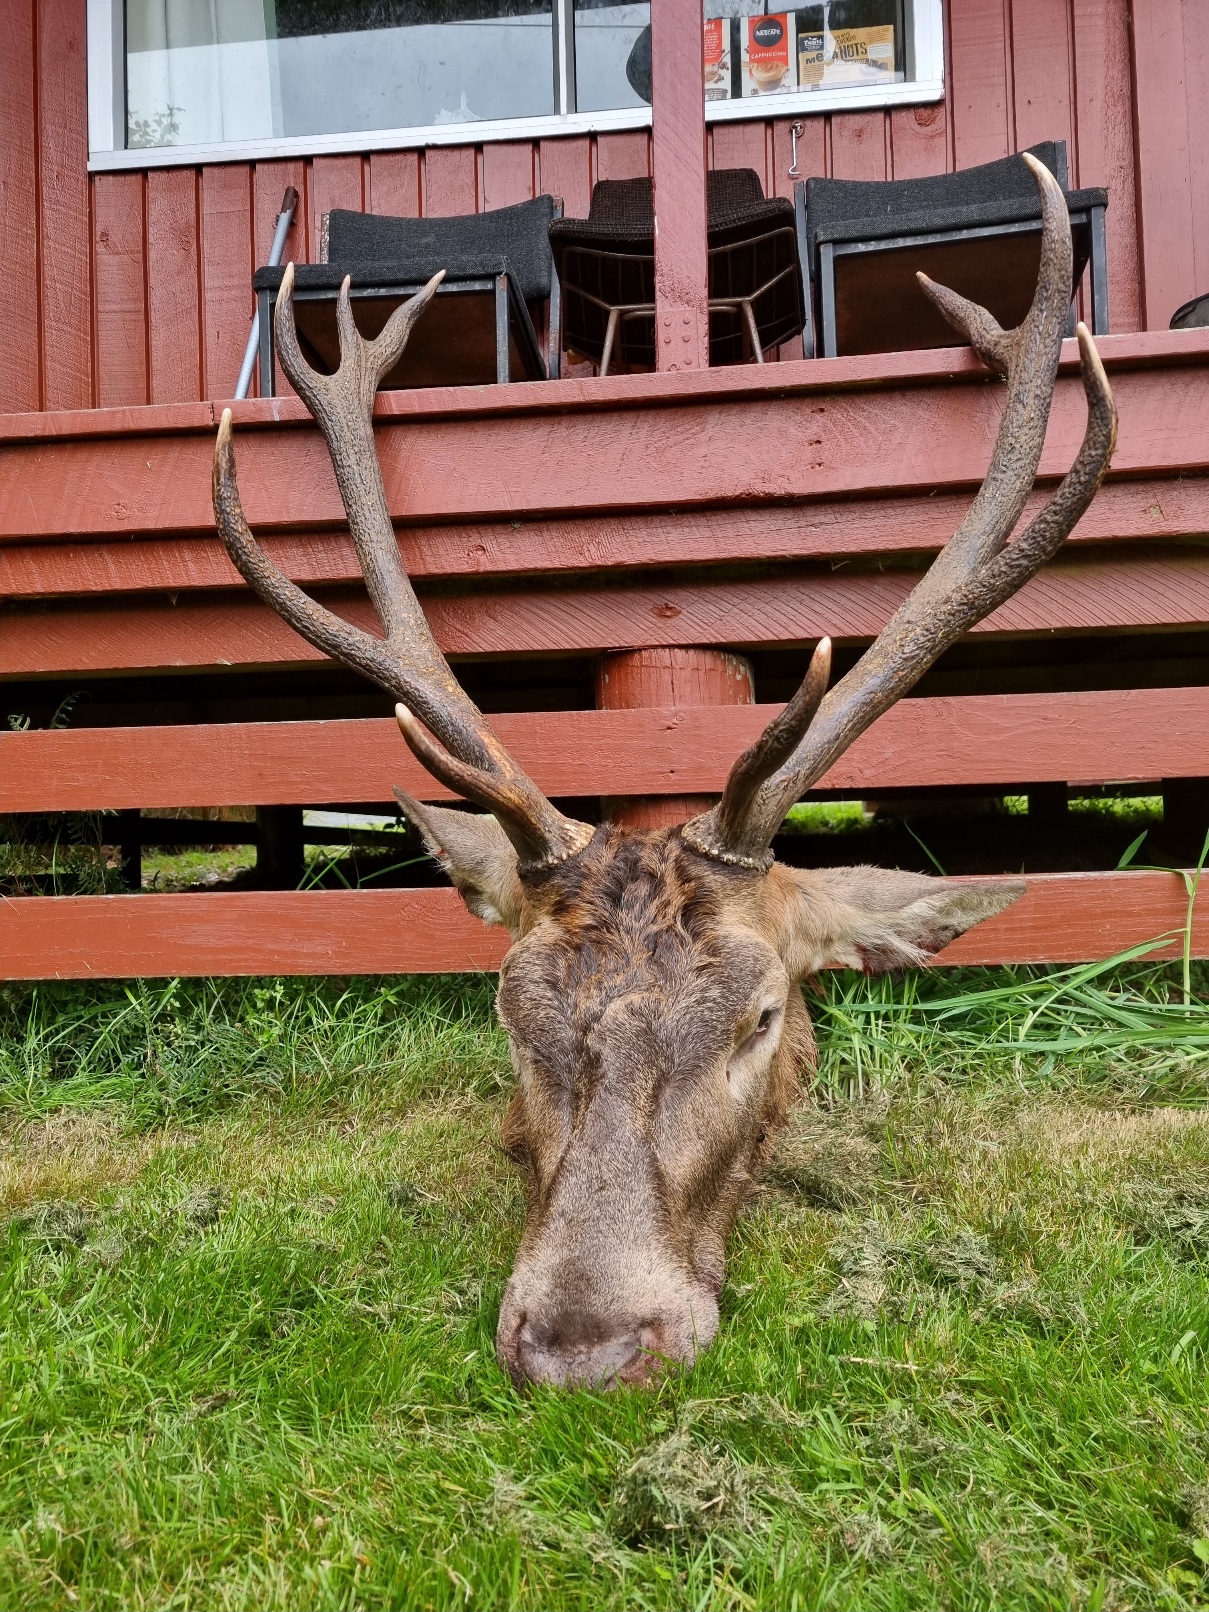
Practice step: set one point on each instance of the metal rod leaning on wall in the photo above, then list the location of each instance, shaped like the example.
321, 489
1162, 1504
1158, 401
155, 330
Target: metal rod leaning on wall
284, 219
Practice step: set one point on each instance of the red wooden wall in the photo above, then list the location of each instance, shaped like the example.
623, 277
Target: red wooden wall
131, 288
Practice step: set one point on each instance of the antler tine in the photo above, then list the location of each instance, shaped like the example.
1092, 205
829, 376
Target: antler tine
508, 804
774, 747
974, 573
1027, 358
408, 662
342, 405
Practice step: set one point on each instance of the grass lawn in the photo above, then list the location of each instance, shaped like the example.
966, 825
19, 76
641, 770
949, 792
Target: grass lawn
255, 1236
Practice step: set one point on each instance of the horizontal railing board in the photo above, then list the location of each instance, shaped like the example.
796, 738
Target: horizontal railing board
1149, 510
1063, 918
697, 443
1082, 739
1112, 591
1127, 350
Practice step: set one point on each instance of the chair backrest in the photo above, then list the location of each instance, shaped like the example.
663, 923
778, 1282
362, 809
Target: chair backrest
464, 243
628, 204
831, 203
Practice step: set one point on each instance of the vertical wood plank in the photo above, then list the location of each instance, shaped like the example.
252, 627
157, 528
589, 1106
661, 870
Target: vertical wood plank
450, 181
624, 155
508, 173
1164, 168
334, 182
858, 145
742, 145
64, 205
226, 255
678, 167
1042, 72
394, 184
119, 267
173, 316
1104, 143
982, 122
812, 154
20, 370
919, 141
565, 169
1196, 69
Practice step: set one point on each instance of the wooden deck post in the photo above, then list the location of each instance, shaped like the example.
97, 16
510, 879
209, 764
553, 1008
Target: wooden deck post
659, 678
678, 107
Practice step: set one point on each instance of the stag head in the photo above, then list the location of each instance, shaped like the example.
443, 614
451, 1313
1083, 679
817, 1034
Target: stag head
652, 995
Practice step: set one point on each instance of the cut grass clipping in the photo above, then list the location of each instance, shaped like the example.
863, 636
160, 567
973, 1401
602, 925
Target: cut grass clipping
256, 1236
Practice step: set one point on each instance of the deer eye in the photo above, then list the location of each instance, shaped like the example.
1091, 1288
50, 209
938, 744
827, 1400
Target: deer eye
757, 1034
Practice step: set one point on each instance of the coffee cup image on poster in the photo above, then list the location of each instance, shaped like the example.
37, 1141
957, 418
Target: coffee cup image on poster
769, 54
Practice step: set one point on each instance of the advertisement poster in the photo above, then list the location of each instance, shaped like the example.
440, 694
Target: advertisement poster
717, 59
769, 57
846, 56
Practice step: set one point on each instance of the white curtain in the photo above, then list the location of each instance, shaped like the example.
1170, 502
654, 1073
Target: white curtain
201, 72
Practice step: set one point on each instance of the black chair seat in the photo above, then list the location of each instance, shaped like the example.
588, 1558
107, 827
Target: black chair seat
866, 239
478, 329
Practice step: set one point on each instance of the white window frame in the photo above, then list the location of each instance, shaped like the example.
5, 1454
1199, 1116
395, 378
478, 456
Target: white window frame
107, 103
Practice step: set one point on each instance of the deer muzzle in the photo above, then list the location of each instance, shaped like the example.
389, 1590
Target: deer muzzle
600, 1295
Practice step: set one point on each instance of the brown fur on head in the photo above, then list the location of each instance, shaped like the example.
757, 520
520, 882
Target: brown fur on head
658, 1035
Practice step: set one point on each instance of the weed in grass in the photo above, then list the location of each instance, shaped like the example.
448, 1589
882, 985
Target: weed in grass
681, 1485
828, 1158
1176, 1218
55, 1225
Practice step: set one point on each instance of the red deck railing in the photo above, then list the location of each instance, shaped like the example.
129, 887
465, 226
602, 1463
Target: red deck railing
567, 519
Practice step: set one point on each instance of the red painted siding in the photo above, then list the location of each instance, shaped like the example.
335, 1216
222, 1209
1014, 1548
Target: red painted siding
124, 289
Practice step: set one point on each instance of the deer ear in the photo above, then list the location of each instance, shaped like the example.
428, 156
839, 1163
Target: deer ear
877, 920
476, 854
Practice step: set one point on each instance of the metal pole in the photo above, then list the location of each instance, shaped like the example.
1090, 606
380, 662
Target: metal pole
284, 219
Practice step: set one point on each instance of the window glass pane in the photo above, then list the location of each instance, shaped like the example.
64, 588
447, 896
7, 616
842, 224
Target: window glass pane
750, 51
612, 55
200, 74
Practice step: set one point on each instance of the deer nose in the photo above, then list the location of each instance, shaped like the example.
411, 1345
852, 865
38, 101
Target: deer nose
587, 1351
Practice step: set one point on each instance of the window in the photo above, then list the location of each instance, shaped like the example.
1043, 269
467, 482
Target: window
178, 80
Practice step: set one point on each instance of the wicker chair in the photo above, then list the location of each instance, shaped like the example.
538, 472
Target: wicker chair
606, 267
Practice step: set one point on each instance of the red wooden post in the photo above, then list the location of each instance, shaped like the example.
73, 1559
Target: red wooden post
678, 104
659, 679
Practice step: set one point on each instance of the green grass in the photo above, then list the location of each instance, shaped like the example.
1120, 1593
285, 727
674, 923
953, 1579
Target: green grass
256, 1235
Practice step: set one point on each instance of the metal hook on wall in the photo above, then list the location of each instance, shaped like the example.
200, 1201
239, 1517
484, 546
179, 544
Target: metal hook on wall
796, 129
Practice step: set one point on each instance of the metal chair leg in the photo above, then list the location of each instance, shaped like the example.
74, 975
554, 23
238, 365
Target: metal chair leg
554, 316
1099, 273
827, 288
610, 338
268, 363
753, 331
799, 219
503, 366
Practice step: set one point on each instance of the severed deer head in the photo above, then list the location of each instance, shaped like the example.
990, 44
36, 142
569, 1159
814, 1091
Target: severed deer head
651, 994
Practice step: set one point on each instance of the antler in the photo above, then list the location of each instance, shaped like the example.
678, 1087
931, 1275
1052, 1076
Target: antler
406, 662
974, 573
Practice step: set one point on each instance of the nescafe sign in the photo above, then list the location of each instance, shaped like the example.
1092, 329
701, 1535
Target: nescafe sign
768, 33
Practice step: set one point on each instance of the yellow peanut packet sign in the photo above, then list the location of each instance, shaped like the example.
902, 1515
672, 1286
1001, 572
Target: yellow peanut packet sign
846, 56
